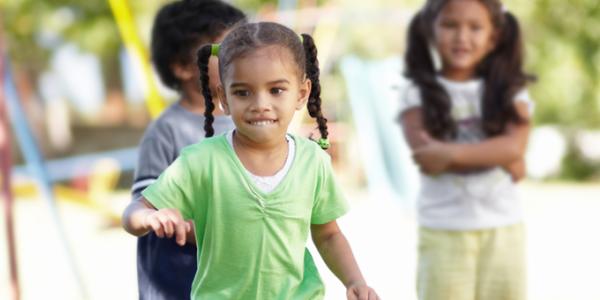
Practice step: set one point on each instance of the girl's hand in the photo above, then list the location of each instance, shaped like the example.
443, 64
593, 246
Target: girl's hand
516, 170
361, 292
168, 222
433, 156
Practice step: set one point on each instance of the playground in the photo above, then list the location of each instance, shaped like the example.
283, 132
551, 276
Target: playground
73, 110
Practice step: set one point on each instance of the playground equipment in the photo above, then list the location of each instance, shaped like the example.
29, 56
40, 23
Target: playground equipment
373, 88
5, 166
136, 49
36, 167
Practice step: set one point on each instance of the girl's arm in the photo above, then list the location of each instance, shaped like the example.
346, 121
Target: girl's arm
134, 216
434, 157
141, 216
413, 128
516, 170
336, 253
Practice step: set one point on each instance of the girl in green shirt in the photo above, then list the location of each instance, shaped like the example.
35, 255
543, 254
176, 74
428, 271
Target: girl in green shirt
254, 195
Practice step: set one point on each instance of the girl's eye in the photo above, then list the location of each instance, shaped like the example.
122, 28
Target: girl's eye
276, 91
449, 24
241, 93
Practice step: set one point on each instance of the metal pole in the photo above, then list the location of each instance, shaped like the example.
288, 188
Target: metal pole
5, 169
36, 166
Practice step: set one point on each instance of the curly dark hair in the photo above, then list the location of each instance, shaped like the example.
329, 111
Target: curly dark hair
181, 26
501, 70
250, 37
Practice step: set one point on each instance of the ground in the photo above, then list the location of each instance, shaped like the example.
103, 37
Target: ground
563, 247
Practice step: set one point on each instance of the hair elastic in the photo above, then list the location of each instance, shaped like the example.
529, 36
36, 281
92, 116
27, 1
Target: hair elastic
214, 49
324, 143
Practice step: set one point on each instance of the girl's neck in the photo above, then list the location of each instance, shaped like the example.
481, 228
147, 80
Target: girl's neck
458, 74
262, 159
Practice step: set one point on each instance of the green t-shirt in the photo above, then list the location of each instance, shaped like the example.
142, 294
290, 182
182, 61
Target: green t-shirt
251, 244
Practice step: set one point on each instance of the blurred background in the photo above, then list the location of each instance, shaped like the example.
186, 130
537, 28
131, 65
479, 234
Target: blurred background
77, 92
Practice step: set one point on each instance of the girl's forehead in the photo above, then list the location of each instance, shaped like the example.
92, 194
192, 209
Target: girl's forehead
259, 61
465, 9
271, 52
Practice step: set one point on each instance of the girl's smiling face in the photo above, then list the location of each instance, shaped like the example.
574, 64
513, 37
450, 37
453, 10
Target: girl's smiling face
261, 91
463, 36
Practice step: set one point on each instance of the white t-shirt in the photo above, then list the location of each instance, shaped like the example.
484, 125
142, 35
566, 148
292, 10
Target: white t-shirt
269, 183
473, 200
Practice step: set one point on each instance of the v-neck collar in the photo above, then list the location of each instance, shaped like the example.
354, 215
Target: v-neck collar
248, 179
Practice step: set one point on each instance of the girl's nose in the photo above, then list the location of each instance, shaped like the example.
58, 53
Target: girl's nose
462, 34
261, 103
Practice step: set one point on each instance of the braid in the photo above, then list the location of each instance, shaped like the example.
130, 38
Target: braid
203, 58
312, 71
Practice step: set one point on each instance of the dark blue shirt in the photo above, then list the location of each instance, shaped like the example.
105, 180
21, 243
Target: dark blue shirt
165, 269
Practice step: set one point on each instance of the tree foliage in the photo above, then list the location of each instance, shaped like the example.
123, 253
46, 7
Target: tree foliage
563, 40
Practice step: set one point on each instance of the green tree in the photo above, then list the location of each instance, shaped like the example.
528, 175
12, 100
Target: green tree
564, 49
34, 28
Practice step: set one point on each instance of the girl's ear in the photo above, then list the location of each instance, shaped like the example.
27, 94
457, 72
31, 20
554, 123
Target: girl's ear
305, 87
183, 72
222, 99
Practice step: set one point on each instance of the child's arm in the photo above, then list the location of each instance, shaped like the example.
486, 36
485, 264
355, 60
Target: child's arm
516, 170
435, 157
413, 127
336, 253
140, 217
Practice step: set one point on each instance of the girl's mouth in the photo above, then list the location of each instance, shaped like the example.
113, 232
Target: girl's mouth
262, 122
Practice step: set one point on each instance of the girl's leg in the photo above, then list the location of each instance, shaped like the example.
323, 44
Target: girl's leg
501, 273
447, 267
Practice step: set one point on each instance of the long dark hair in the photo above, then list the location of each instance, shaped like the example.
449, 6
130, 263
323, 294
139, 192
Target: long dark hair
250, 37
501, 71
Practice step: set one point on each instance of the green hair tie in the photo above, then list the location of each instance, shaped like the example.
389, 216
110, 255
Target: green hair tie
301, 39
324, 143
214, 49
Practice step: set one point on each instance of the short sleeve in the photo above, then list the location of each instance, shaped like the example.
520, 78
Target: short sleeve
155, 155
523, 96
173, 189
330, 202
410, 97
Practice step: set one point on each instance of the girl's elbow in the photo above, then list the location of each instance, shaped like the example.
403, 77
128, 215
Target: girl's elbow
329, 240
323, 238
516, 152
